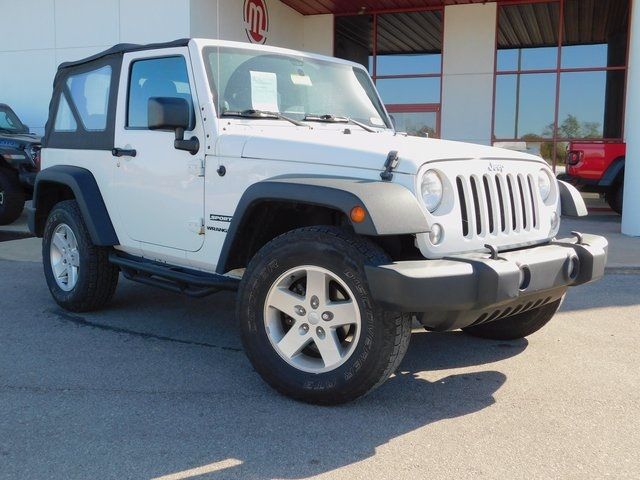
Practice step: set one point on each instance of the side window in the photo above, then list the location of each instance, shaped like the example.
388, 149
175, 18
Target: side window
157, 77
90, 95
64, 118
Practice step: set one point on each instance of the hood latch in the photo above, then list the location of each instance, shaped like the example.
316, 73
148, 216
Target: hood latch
389, 165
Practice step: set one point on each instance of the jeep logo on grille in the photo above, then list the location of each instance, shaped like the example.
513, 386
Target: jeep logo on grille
256, 20
496, 167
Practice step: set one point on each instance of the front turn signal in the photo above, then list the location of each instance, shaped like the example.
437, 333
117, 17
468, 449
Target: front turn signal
358, 214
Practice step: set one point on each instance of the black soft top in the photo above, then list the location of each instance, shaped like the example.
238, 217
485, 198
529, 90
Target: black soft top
123, 48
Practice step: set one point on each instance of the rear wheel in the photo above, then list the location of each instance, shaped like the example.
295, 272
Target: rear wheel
614, 197
78, 273
517, 326
12, 197
308, 322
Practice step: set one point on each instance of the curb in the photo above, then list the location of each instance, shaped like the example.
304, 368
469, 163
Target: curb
632, 270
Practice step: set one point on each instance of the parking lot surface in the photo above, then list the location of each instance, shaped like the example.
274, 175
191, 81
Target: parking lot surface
157, 386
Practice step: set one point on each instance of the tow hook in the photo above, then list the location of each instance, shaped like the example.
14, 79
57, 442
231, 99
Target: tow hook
494, 251
579, 238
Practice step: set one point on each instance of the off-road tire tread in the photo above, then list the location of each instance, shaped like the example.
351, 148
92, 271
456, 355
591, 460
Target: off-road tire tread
102, 278
14, 197
614, 197
396, 324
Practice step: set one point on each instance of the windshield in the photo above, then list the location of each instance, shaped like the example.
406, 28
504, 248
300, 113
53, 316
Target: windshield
10, 122
294, 86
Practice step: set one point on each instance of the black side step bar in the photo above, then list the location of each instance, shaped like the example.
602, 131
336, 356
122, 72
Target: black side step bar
176, 279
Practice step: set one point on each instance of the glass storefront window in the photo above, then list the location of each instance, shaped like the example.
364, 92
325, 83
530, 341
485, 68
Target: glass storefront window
601, 115
404, 59
418, 124
409, 90
584, 56
580, 97
521, 59
525, 105
411, 64
409, 43
354, 39
595, 33
528, 37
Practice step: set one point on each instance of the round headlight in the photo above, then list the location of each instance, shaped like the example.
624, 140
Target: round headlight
544, 184
431, 190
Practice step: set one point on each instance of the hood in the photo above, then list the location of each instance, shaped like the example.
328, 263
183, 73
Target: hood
359, 149
21, 140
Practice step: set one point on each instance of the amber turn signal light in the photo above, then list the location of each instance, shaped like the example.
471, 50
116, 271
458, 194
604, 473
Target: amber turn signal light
358, 214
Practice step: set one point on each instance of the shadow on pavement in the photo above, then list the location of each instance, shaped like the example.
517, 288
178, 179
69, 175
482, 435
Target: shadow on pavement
7, 236
155, 385
280, 438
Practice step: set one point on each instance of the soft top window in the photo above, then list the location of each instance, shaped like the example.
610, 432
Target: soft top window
90, 95
82, 110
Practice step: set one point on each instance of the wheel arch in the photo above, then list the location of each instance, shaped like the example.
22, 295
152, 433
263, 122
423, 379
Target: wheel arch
275, 206
63, 182
613, 173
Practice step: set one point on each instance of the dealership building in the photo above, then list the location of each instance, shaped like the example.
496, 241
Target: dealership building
527, 74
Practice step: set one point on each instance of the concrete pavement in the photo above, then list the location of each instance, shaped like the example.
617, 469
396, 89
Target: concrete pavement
157, 385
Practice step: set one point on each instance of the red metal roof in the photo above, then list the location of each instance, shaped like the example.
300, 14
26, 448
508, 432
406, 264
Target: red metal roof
316, 7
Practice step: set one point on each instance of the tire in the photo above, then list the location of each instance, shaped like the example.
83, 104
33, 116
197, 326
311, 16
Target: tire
517, 326
614, 197
368, 352
95, 279
12, 197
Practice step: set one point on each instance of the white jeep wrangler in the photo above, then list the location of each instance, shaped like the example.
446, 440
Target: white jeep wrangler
201, 166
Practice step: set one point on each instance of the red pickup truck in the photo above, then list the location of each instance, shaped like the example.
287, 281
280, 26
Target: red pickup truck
597, 167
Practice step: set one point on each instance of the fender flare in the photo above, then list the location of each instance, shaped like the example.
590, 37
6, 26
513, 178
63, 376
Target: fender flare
612, 172
571, 202
392, 209
87, 194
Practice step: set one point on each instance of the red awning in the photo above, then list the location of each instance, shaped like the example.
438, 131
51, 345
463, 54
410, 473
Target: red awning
316, 7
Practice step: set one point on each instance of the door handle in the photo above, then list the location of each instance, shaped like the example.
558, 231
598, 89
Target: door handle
124, 152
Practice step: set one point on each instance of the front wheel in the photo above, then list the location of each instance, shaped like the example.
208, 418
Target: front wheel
78, 273
517, 326
614, 197
11, 197
309, 325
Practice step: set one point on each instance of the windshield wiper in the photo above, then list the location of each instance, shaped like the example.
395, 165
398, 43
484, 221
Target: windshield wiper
251, 113
329, 118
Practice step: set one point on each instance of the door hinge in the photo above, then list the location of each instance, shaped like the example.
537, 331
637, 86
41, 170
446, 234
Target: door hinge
197, 226
197, 168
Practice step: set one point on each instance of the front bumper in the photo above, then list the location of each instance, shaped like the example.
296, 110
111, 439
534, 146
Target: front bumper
463, 290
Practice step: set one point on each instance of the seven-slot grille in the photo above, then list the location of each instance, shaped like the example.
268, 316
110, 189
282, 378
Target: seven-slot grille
498, 204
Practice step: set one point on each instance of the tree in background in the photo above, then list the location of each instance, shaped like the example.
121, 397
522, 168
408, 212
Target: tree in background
570, 128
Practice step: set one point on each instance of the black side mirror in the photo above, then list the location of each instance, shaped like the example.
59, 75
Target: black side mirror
171, 113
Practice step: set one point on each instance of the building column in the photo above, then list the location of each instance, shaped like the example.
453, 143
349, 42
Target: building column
631, 216
467, 72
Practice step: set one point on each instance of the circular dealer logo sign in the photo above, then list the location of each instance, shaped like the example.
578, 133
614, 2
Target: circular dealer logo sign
256, 20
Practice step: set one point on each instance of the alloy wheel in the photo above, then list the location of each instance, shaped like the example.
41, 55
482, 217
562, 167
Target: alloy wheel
312, 319
65, 258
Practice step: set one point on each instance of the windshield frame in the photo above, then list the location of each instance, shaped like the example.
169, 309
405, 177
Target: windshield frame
370, 88
22, 128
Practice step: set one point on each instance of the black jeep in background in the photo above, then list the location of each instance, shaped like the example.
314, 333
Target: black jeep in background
19, 164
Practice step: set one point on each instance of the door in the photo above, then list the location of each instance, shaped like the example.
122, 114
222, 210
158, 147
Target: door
160, 190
